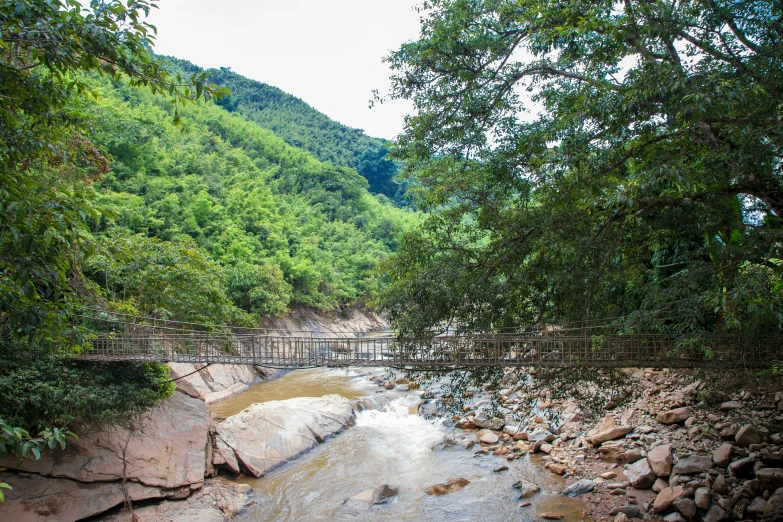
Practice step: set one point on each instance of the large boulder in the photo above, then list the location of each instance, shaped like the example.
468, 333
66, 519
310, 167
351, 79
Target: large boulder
268, 434
166, 449
213, 383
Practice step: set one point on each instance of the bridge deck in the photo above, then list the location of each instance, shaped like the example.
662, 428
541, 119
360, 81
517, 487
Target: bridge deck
455, 351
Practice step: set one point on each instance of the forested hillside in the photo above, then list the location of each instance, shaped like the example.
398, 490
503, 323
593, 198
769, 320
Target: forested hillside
279, 226
304, 127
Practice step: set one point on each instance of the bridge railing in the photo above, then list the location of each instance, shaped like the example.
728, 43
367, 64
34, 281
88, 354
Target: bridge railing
559, 350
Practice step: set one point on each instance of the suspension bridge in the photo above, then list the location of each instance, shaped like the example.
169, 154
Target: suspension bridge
563, 347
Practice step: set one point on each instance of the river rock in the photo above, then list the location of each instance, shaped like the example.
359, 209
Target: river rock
35, 498
489, 438
742, 467
371, 497
526, 489
675, 416
703, 498
666, 498
774, 506
747, 435
577, 489
610, 434
466, 423
629, 511
692, 464
722, 456
685, 506
770, 478
482, 420
215, 502
640, 474
715, 514
612, 451
167, 449
268, 434
757, 507
730, 405
448, 487
541, 435
660, 459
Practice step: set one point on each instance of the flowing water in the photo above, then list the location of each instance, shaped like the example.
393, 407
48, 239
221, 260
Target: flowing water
392, 446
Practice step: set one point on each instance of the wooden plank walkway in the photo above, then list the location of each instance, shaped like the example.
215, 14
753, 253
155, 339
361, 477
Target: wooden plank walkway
441, 352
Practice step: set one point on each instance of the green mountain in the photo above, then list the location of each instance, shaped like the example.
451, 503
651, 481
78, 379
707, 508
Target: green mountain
235, 209
304, 127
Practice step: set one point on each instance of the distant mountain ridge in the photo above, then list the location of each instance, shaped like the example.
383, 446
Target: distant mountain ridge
304, 127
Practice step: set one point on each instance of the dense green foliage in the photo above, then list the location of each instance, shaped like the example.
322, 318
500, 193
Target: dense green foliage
44, 160
283, 227
46, 166
645, 183
50, 390
304, 127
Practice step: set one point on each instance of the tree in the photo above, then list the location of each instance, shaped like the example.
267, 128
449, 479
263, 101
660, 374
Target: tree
47, 49
593, 160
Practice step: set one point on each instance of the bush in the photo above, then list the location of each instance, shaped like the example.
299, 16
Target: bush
52, 390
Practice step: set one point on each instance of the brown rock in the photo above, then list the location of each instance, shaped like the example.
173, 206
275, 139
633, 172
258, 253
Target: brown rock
722, 455
610, 434
557, 469
448, 487
612, 451
675, 416
660, 458
685, 506
640, 474
666, 498
770, 478
692, 464
633, 455
715, 514
466, 424
703, 498
551, 516
747, 435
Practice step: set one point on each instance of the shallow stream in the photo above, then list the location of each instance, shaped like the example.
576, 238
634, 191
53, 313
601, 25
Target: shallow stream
392, 446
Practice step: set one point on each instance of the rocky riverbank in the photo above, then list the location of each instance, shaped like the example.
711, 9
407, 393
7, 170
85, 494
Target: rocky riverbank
660, 452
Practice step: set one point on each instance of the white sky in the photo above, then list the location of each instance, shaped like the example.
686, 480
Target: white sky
326, 52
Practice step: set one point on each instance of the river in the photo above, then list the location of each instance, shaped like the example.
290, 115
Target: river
392, 445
